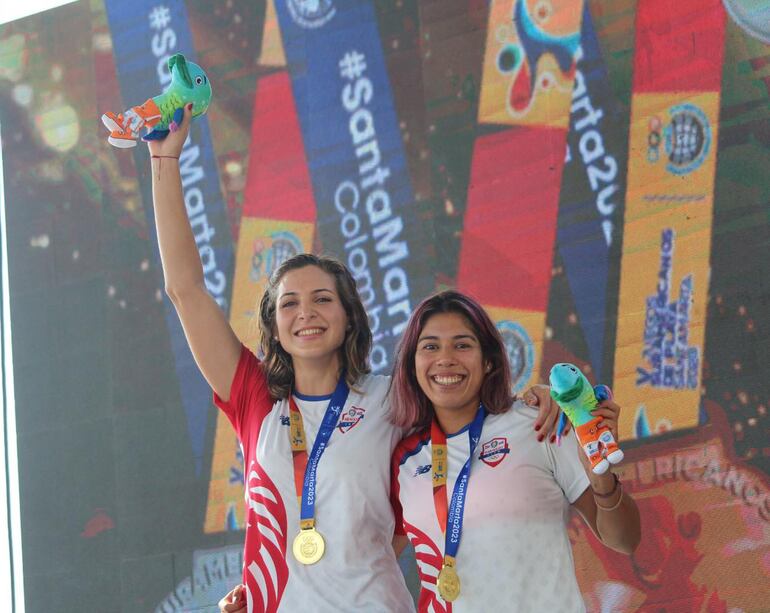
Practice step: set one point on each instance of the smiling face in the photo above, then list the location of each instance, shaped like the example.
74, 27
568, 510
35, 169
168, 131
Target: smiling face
450, 367
310, 318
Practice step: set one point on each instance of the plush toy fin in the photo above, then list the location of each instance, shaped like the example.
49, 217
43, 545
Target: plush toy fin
155, 135
176, 120
602, 392
560, 428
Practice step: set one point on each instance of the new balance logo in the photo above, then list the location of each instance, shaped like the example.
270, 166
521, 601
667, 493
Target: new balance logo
421, 470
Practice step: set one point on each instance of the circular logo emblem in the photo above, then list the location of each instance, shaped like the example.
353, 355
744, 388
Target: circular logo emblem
264, 260
311, 14
521, 352
285, 245
687, 139
752, 16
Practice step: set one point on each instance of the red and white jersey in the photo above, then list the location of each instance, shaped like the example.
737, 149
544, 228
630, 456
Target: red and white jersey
514, 551
358, 571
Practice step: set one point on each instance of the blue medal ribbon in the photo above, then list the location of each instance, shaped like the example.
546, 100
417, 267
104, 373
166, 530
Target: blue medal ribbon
328, 424
454, 518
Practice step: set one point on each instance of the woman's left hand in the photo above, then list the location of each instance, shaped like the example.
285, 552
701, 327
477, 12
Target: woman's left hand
609, 411
547, 421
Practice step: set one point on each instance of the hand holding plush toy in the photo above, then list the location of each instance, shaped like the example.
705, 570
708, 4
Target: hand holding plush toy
163, 113
576, 398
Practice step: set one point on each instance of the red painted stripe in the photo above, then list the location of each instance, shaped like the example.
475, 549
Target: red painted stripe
278, 182
510, 222
679, 45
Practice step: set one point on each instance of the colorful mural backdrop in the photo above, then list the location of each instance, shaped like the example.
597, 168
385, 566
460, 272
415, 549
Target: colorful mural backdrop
595, 172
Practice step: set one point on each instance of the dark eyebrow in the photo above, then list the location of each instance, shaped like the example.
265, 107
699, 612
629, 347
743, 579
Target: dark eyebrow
315, 291
454, 338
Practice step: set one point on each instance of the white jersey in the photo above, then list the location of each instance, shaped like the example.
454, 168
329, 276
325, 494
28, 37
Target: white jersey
514, 551
358, 571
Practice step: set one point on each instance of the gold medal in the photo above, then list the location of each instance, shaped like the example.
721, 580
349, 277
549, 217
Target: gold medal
308, 546
448, 583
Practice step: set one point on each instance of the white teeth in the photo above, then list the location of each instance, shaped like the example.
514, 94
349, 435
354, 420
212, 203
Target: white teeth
447, 379
309, 332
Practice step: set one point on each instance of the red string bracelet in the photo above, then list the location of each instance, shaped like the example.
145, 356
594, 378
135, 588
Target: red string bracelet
160, 157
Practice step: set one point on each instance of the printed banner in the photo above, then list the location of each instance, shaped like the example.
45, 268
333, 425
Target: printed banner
668, 218
145, 34
592, 194
510, 223
365, 204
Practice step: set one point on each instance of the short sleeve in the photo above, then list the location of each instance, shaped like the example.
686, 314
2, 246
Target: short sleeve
249, 393
567, 468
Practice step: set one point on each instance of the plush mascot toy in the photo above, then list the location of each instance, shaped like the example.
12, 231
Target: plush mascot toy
576, 398
163, 113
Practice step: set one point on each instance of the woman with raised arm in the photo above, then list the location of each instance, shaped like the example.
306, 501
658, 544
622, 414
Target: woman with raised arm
483, 504
313, 424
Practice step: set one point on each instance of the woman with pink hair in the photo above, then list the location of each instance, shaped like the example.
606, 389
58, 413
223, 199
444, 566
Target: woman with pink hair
483, 504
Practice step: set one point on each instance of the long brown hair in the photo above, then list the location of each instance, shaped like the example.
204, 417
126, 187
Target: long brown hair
354, 351
410, 407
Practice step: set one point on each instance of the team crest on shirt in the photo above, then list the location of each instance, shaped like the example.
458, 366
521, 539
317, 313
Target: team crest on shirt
350, 418
494, 451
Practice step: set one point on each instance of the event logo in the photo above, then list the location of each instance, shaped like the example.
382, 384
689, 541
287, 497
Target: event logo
311, 14
521, 352
494, 451
520, 60
350, 418
265, 260
686, 139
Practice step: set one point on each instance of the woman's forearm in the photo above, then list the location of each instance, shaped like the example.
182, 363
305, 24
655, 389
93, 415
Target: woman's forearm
618, 524
617, 521
182, 268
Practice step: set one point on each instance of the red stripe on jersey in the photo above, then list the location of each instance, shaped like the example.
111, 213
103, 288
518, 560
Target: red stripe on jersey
679, 45
428, 599
268, 512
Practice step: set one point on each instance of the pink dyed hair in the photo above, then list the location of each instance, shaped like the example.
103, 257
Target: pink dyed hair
410, 407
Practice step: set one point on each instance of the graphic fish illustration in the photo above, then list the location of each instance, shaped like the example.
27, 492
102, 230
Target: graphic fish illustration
534, 43
163, 113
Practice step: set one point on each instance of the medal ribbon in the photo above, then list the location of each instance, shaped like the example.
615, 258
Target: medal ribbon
305, 467
454, 517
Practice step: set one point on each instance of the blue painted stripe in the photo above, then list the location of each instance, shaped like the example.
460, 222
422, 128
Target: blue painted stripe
593, 192
145, 33
355, 155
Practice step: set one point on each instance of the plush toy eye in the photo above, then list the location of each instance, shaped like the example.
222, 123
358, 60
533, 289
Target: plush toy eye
198, 80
